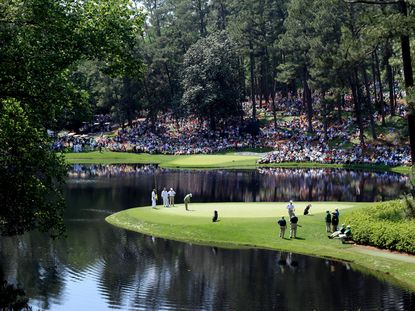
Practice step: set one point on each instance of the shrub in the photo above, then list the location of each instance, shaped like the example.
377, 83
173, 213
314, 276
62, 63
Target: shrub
384, 225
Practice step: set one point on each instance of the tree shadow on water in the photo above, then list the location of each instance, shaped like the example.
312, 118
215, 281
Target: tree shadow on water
12, 297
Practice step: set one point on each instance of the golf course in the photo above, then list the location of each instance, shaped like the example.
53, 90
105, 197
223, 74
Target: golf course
254, 225
225, 160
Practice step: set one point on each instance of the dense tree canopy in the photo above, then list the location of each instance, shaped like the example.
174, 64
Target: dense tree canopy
211, 79
30, 175
328, 47
41, 44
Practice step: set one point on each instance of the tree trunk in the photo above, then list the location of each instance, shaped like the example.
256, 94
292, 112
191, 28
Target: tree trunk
375, 95
340, 104
369, 104
325, 125
307, 100
393, 91
381, 99
354, 85
411, 126
158, 28
152, 115
389, 74
260, 98
212, 121
406, 51
273, 90
274, 108
409, 79
166, 67
251, 67
201, 18
222, 16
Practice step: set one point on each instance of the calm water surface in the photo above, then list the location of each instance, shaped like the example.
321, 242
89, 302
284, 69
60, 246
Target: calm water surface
99, 267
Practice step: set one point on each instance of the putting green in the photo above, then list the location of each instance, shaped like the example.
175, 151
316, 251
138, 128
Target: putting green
254, 225
225, 160
248, 210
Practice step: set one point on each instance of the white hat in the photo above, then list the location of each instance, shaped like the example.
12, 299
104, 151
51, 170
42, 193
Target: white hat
190, 194
171, 189
291, 201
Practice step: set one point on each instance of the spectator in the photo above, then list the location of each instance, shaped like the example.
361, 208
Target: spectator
293, 227
283, 225
328, 221
334, 221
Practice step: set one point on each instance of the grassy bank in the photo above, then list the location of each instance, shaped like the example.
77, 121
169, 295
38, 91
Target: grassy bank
254, 225
224, 160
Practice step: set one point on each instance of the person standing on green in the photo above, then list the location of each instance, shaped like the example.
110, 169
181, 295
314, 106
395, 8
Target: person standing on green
283, 225
328, 221
187, 200
293, 227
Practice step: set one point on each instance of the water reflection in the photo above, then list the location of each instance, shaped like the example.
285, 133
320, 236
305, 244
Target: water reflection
264, 184
99, 267
136, 272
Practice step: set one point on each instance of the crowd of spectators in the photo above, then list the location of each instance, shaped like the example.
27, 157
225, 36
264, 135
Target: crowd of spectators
290, 140
321, 153
166, 138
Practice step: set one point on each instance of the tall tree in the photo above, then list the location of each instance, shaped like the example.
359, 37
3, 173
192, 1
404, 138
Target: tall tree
211, 79
404, 23
295, 42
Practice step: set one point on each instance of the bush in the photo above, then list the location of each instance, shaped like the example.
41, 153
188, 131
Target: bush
384, 225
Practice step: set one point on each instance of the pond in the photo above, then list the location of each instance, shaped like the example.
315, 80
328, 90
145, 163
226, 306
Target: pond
99, 267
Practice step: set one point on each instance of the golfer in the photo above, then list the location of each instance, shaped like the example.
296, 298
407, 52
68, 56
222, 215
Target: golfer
187, 200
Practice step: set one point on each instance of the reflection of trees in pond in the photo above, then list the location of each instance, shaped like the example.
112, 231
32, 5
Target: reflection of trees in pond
137, 271
37, 269
192, 277
13, 298
132, 270
264, 184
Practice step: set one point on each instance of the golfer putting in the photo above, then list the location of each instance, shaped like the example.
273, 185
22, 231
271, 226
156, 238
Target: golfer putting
187, 201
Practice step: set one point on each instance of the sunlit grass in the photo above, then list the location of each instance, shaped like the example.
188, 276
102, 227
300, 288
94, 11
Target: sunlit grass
230, 159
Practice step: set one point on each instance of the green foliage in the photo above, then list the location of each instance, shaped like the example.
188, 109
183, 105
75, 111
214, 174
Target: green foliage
42, 43
211, 78
384, 225
409, 207
47, 38
30, 175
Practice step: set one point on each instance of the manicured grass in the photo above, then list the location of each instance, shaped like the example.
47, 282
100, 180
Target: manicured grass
254, 225
108, 157
224, 160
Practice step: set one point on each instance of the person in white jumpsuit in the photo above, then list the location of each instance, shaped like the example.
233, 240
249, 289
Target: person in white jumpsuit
165, 197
